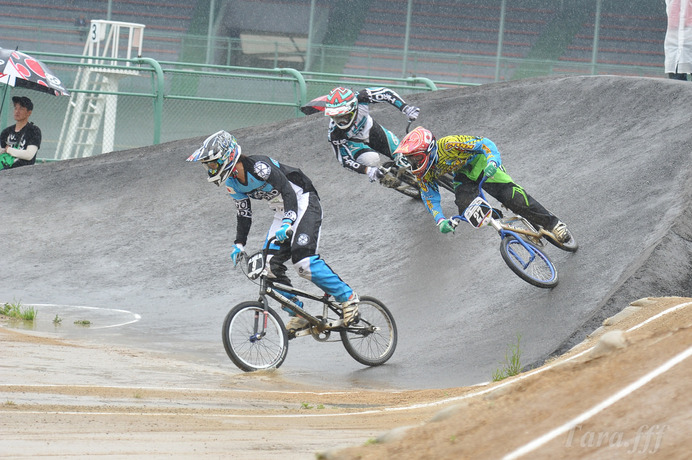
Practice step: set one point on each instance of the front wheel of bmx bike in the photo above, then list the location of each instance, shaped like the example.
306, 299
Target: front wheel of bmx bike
371, 338
532, 265
254, 338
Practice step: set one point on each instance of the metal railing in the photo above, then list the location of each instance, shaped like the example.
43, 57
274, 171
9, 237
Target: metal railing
168, 101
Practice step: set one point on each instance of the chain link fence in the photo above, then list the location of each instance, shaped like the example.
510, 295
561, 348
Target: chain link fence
141, 102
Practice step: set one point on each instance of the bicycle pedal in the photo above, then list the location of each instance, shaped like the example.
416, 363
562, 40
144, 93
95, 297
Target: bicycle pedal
300, 333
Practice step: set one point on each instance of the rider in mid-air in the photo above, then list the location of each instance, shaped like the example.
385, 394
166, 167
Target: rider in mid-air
356, 138
469, 158
297, 219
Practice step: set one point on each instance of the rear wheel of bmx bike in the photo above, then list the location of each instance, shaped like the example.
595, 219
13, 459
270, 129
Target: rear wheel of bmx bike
250, 345
371, 338
533, 266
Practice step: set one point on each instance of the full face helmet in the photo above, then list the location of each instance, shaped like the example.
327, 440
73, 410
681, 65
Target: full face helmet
420, 150
219, 154
342, 107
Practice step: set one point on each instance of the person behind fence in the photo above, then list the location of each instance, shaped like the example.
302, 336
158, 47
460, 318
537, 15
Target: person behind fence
297, 219
20, 142
81, 25
678, 39
356, 138
469, 158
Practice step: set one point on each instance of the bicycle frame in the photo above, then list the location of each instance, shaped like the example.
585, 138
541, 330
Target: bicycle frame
257, 269
479, 214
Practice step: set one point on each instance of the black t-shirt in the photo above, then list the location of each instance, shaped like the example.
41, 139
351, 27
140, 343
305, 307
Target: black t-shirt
30, 134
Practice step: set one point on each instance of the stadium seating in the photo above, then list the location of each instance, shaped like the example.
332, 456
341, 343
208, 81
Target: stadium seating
442, 32
50, 27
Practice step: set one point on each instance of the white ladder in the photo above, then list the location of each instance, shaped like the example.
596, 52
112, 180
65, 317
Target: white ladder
88, 106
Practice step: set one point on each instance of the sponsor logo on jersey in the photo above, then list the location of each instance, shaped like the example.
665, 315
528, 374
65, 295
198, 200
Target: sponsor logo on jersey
262, 170
303, 239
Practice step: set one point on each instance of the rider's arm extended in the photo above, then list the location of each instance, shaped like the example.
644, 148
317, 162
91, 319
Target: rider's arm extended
382, 94
430, 194
243, 217
343, 153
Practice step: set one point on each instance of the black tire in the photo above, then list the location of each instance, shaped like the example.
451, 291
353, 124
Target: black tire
539, 272
409, 185
248, 351
371, 339
409, 191
445, 182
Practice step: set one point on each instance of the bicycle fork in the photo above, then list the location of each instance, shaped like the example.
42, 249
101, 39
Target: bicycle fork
260, 332
529, 247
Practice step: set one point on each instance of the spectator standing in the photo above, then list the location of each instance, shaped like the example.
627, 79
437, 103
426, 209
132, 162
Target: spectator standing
20, 142
678, 41
81, 25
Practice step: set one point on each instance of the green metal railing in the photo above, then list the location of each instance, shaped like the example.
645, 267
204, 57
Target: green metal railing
167, 101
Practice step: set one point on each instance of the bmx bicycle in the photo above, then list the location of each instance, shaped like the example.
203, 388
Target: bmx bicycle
521, 243
255, 337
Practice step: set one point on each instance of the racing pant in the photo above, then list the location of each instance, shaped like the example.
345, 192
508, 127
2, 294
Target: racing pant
302, 250
503, 189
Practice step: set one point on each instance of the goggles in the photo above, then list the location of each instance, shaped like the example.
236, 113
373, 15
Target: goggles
211, 166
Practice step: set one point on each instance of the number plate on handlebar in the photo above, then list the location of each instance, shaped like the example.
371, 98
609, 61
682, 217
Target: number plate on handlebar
255, 265
477, 212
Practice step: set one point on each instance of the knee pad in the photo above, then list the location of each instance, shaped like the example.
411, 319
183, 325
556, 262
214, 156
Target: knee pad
370, 158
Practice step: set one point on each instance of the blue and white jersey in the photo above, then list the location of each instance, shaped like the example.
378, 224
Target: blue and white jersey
266, 179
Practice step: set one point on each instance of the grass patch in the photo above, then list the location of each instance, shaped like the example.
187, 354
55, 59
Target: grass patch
82, 322
512, 364
15, 310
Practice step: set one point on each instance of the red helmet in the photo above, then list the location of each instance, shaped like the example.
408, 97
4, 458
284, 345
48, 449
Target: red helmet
420, 149
342, 106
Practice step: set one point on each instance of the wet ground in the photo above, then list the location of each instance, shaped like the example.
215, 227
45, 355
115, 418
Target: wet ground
141, 234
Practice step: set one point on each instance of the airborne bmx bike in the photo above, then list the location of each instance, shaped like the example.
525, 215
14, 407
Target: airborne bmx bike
256, 338
521, 243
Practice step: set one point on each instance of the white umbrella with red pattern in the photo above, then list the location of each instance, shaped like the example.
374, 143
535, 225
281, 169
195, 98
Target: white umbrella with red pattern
21, 70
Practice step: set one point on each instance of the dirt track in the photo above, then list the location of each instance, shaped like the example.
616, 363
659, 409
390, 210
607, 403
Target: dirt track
135, 404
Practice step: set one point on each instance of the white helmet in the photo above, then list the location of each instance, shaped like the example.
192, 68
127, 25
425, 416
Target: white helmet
219, 154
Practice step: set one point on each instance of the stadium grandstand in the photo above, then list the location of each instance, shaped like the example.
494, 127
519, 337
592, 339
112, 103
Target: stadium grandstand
475, 41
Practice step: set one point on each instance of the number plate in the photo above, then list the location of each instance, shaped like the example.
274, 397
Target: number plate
255, 265
477, 212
